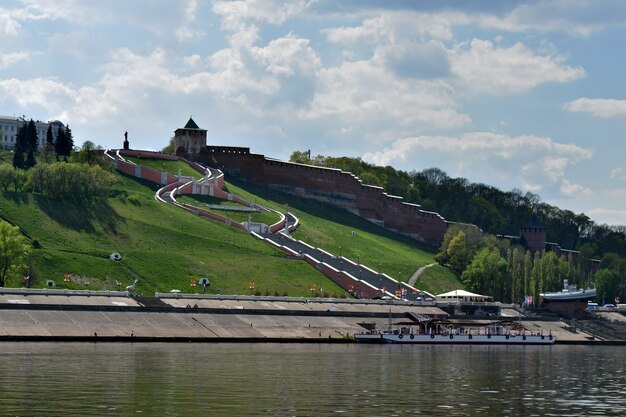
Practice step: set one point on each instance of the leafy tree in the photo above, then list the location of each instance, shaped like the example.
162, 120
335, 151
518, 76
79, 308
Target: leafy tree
528, 264
13, 248
169, 149
536, 278
607, 284
301, 157
472, 238
89, 153
486, 273
369, 178
71, 181
516, 272
7, 176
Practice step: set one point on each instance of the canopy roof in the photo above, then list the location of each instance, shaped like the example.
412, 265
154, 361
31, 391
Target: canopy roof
462, 294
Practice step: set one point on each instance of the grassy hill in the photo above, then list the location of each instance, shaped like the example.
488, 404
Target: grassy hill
164, 247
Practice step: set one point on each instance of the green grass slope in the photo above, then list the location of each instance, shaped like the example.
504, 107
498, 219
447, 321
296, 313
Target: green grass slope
161, 245
165, 247
331, 228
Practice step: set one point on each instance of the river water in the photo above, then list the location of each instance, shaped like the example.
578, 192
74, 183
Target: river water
108, 379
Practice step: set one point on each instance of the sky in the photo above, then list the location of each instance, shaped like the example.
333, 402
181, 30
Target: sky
527, 95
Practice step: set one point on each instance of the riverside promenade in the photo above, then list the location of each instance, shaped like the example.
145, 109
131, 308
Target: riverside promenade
60, 315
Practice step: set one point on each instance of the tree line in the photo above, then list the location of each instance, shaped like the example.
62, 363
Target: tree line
495, 266
27, 144
58, 169
492, 210
509, 272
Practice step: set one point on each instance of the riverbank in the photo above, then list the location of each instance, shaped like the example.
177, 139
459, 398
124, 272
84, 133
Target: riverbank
117, 317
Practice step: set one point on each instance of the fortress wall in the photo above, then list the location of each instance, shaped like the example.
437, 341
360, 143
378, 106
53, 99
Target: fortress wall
126, 167
278, 225
150, 174
147, 154
332, 186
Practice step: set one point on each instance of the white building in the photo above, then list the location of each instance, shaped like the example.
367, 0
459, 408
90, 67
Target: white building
9, 125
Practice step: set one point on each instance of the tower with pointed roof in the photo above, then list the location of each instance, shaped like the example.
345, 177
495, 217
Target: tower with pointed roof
534, 235
189, 140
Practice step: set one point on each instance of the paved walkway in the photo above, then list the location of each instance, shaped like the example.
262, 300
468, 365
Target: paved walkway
417, 273
358, 271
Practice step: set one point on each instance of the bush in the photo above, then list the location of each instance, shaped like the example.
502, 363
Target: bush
74, 181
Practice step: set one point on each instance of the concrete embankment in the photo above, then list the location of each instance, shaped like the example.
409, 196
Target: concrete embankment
115, 317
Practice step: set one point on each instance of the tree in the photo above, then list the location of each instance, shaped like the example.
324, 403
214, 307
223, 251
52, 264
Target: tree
60, 144
7, 176
606, 282
528, 265
460, 252
65, 142
472, 241
87, 154
370, 178
31, 144
13, 248
486, 273
516, 272
21, 141
301, 157
169, 149
69, 141
49, 136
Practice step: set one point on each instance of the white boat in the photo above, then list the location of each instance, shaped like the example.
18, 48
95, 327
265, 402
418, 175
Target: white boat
569, 302
570, 293
468, 334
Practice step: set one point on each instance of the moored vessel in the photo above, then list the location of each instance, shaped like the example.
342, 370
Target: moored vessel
467, 333
570, 301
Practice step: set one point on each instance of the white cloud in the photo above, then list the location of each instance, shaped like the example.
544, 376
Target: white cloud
526, 161
47, 93
8, 24
618, 174
236, 14
363, 94
604, 108
581, 17
485, 68
570, 189
394, 26
6, 60
288, 55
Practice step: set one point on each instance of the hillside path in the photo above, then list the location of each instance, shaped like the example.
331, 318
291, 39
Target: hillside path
417, 273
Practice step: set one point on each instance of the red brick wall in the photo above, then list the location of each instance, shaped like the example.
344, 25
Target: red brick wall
332, 186
535, 237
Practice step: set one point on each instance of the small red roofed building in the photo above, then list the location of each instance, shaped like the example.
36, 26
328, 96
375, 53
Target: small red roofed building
189, 140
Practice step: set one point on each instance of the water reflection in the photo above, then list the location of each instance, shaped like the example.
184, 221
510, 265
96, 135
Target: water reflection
309, 380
